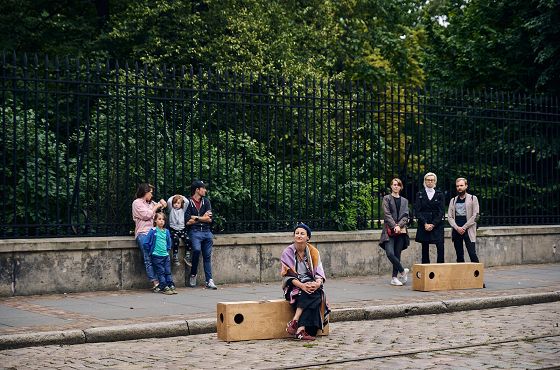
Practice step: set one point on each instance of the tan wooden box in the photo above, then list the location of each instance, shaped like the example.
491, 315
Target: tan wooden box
447, 276
249, 320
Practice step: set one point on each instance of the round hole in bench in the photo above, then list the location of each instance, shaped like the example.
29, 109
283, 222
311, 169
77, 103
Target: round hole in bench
222, 317
476, 273
432, 275
418, 274
238, 318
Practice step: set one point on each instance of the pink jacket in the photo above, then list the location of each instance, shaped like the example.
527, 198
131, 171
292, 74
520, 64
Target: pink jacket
143, 216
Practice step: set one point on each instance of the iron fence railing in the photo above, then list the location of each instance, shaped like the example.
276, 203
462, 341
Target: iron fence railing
77, 137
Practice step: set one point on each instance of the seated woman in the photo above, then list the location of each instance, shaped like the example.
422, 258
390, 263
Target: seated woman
302, 281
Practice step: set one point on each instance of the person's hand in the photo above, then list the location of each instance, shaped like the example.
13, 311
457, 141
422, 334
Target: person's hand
428, 227
397, 229
461, 230
162, 203
310, 287
208, 213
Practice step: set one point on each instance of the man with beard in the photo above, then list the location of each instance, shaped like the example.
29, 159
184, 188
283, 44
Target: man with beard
462, 215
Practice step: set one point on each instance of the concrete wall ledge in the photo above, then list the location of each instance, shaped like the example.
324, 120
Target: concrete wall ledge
115, 242
59, 265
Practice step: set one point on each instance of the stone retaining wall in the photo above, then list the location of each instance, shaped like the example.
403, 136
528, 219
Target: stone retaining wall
42, 266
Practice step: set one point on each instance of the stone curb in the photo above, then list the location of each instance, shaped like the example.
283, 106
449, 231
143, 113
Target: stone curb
42, 339
428, 308
205, 326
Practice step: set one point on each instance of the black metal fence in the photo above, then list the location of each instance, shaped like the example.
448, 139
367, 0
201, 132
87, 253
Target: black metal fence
78, 136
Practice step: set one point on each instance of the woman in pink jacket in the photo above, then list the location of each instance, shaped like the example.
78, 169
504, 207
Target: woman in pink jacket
143, 212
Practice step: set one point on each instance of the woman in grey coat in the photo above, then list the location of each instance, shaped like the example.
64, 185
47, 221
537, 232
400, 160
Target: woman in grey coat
395, 209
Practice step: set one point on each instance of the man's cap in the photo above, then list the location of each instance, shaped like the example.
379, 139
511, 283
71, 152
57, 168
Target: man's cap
305, 227
198, 184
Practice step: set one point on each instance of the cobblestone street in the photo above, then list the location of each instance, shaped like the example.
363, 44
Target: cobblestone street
512, 337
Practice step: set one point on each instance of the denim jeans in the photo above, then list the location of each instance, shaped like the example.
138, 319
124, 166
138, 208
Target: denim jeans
162, 268
147, 260
201, 241
393, 248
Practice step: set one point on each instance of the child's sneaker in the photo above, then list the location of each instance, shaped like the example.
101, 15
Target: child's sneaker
188, 258
192, 281
173, 289
167, 290
156, 289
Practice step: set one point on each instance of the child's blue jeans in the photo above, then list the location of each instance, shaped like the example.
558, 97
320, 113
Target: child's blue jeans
162, 268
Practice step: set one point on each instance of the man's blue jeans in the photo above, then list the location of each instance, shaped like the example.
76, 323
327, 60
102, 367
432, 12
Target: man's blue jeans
140, 240
202, 242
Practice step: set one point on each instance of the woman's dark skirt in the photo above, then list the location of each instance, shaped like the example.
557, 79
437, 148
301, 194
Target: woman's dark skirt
311, 315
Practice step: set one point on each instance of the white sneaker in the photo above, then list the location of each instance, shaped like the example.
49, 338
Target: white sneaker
210, 285
403, 277
395, 281
192, 281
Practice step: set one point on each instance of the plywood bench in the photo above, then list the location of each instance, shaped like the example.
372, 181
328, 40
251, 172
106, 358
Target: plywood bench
447, 276
249, 320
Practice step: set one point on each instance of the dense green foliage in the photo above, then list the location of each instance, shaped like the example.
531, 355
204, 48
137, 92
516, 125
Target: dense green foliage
358, 39
508, 45
501, 44
293, 57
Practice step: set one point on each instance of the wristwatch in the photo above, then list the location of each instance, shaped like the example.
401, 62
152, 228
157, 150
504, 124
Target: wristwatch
196, 219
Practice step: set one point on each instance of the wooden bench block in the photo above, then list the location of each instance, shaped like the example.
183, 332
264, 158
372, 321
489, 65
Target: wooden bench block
255, 320
447, 276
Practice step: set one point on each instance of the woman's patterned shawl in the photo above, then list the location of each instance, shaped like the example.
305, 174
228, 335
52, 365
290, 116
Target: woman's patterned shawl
289, 263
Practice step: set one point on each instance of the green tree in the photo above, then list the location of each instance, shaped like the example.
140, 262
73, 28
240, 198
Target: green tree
58, 28
509, 45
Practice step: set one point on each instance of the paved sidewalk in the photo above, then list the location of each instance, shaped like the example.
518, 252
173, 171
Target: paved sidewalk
82, 311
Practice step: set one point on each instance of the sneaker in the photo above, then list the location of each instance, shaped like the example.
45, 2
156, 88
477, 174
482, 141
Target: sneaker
156, 289
167, 290
210, 285
403, 277
291, 327
395, 281
192, 281
176, 260
302, 335
188, 259
173, 289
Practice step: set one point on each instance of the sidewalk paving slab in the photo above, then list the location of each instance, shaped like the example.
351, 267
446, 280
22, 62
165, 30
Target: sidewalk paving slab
133, 314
